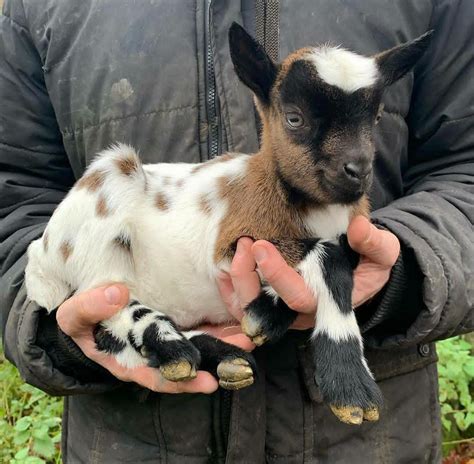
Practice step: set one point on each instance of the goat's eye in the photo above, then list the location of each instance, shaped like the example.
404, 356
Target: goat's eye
294, 120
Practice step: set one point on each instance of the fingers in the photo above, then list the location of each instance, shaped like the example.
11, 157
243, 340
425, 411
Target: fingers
229, 296
380, 246
83, 310
245, 279
153, 380
284, 279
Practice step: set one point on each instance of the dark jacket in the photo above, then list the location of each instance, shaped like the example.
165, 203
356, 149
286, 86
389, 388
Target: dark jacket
76, 76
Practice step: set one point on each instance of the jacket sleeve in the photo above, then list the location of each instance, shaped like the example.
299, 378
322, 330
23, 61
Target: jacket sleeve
34, 177
431, 293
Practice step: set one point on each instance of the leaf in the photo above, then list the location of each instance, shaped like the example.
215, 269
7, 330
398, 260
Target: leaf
34, 460
23, 424
21, 437
23, 453
44, 447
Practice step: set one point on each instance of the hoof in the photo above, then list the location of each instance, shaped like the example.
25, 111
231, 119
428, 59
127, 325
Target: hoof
352, 415
178, 371
235, 374
371, 414
253, 330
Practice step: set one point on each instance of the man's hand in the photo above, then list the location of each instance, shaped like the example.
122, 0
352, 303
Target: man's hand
379, 251
78, 316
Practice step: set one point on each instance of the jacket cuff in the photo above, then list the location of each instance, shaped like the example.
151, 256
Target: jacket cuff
389, 315
37, 364
65, 355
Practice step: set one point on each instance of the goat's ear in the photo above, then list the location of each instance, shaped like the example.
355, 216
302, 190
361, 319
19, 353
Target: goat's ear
252, 64
396, 62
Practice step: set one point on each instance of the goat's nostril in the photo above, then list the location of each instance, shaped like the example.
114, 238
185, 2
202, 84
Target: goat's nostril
353, 170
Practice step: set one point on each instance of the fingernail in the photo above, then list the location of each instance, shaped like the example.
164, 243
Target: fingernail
260, 254
112, 295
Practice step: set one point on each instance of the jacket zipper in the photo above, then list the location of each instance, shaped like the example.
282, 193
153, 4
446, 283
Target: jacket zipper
212, 99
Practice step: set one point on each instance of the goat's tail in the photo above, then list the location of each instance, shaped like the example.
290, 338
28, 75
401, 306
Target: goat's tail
122, 179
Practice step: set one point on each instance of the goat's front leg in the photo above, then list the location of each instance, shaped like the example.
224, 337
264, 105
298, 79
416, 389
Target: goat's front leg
138, 335
342, 373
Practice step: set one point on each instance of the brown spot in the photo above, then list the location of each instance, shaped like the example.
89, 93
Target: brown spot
65, 250
45, 240
205, 204
101, 208
180, 183
127, 166
161, 201
91, 181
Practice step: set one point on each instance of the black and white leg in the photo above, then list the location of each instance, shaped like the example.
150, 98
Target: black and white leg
342, 374
234, 367
138, 335
267, 318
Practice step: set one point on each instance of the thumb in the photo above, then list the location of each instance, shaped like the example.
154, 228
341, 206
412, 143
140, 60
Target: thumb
86, 309
380, 246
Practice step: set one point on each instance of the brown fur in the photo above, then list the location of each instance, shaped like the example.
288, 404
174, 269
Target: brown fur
92, 181
257, 208
291, 250
101, 208
161, 202
127, 166
65, 250
361, 208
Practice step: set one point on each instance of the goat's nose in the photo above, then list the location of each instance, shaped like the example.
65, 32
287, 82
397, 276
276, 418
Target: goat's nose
356, 172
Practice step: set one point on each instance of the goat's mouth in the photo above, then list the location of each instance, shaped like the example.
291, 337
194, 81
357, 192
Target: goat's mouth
340, 191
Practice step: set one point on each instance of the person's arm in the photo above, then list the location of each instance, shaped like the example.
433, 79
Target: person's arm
35, 175
431, 293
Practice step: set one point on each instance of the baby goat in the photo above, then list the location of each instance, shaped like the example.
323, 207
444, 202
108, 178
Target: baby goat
168, 230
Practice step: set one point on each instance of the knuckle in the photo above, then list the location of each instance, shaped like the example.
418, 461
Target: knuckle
235, 272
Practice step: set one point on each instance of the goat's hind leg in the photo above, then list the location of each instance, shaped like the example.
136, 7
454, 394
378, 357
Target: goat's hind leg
234, 367
342, 374
139, 336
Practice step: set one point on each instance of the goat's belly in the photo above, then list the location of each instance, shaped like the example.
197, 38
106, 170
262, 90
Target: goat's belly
188, 298
175, 271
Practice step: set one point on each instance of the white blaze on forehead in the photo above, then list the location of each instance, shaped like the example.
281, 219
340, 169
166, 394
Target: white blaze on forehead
344, 69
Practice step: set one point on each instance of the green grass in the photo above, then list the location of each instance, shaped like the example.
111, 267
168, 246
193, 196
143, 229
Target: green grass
30, 420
